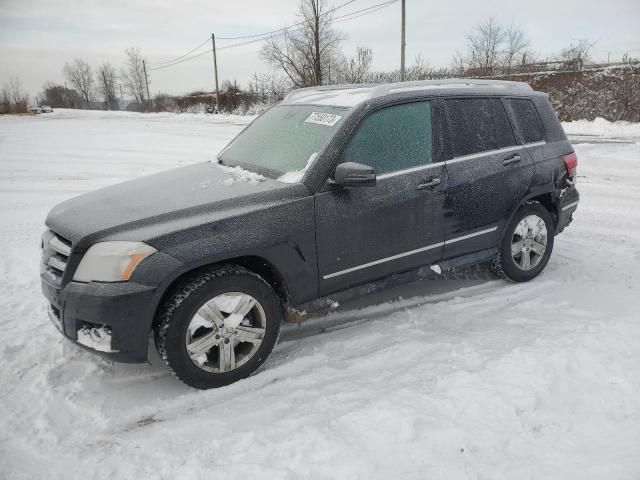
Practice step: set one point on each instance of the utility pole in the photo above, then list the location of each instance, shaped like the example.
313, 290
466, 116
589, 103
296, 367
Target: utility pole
146, 80
215, 70
402, 42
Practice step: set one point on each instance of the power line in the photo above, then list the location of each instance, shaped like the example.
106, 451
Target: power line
265, 34
285, 28
342, 18
278, 33
183, 60
366, 11
181, 56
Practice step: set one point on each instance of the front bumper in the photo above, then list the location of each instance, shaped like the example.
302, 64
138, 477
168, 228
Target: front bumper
110, 319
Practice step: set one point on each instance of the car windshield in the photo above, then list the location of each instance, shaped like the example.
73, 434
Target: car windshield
283, 139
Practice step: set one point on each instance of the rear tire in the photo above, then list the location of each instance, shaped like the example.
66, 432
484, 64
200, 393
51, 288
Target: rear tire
526, 246
218, 327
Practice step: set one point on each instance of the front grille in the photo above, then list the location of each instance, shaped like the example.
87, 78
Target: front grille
55, 254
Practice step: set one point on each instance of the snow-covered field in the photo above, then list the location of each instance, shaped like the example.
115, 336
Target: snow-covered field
451, 379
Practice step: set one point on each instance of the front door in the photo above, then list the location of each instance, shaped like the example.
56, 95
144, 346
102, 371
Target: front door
366, 233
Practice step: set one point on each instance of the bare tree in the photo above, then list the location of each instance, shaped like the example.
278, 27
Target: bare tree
5, 99
355, 69
304, 53
107, 81
12, 97
132, 75
459, 63
420, 70
492, 49
79, 74
484, 46
576, 55
516, 45
267, 87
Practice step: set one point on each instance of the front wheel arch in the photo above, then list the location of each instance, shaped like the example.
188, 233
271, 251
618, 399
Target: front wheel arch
258, 265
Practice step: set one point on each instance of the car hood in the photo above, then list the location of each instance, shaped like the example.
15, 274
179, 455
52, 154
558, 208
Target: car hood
165, 198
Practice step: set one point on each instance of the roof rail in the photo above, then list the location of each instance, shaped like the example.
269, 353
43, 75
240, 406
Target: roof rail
352, 94
447, 83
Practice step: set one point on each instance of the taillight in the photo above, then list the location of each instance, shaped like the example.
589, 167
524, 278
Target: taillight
571, 163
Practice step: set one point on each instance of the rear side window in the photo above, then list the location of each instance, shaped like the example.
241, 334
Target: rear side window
393, 138
471, 124
528, 119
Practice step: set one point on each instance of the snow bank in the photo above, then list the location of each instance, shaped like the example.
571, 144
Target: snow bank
602, 127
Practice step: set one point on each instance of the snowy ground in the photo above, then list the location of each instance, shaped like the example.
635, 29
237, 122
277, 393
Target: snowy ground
455, 379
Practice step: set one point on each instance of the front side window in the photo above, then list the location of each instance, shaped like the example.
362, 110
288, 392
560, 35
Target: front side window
283, 139
393, 138
528, 120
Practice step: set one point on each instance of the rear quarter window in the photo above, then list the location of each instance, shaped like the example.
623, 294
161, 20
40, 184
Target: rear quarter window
528, 120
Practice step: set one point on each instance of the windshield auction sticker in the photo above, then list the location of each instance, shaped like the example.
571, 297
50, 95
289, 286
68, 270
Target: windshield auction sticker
328, 119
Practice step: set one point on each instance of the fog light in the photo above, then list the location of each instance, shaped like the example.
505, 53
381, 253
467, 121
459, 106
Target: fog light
96, 338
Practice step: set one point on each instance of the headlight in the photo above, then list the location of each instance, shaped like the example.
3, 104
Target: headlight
111, 261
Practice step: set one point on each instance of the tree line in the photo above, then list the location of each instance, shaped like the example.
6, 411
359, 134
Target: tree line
307, 54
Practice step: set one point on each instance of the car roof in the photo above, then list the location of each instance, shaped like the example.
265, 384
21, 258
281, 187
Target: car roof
352, 95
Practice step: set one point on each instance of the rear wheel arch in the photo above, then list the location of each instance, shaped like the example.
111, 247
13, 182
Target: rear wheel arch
547, 199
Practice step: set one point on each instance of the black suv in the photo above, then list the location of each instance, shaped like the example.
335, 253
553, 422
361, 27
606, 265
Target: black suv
333, 188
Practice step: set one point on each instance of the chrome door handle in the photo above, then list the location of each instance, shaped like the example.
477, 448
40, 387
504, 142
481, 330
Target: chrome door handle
428, 183
508, 161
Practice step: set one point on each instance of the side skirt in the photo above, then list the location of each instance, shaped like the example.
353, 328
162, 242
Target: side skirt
324, 305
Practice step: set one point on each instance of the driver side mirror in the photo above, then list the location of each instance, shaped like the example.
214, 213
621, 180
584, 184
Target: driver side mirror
351, 174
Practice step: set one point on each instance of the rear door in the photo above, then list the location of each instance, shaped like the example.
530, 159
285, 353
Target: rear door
530, 130
489, 173
366, 233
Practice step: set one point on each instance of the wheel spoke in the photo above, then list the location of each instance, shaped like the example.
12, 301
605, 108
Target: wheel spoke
244, 306
516, 247
538, 247
211, 311
525, 260
227, 357
249, 334
203, 344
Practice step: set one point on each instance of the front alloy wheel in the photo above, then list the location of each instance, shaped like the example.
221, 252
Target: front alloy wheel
226, 332
218, 327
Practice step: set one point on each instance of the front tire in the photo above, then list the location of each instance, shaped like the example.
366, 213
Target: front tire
527, 244
218, 327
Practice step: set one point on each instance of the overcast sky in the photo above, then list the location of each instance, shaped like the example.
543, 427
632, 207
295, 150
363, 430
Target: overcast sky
38, 36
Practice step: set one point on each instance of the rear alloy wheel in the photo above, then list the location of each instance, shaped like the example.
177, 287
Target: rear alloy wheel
527, 244
218, 327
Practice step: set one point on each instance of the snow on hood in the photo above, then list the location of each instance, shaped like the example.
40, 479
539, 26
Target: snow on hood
239, 174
